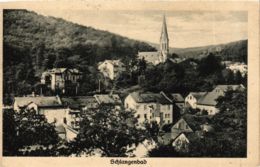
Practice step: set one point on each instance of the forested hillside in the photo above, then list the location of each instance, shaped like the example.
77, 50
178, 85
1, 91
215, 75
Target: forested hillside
33, 43
233, 51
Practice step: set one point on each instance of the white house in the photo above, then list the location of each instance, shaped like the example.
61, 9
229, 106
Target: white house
192, 99
183, 140
66, 119
208, 102
241, 67
150, 107
111, 68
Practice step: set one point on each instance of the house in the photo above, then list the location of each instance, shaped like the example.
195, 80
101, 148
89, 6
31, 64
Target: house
63, 79
183, 140
208, 102
111, 68
109, 99
150, 107
49, 106
158, 56
181, 126
192, 99
237, 66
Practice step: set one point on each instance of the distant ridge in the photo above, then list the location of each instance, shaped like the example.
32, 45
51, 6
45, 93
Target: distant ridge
231, 50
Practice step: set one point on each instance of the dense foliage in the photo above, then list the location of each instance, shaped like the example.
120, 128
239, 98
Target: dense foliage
25, 129
190, 75
109, 131
33, 43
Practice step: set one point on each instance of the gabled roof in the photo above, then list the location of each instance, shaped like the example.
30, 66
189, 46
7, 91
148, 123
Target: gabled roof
40, 101
108, 99
62, 70
191, 136
149, 98
79, 101
176, 97
198, 95
209, 99
176, 129
195, 122
149, 56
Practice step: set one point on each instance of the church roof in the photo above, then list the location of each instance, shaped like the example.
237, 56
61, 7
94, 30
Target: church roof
152, 57
164, 33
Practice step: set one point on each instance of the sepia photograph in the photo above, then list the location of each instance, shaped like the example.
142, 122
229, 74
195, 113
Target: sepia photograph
125, 83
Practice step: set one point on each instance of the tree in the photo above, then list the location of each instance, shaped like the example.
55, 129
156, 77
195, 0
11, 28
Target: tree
238, 77
163, 151
108, 130
153, 130
209, 65
25, 129
9, 133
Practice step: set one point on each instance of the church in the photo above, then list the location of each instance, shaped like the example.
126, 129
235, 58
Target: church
159, 56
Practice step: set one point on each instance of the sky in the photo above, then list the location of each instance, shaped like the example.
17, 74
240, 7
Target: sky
185, 28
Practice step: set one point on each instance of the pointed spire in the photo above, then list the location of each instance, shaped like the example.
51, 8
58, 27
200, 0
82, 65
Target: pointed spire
164, 33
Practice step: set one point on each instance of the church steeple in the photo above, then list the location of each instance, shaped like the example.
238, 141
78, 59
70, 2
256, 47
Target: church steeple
164, 42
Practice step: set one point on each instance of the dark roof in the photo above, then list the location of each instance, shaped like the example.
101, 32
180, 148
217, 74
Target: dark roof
79, 101
149, 98
108, 99
62, 70
41, 101
176, 97
195, 122
209, 99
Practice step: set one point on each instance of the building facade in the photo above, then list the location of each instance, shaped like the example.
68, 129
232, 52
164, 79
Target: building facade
111, 68
63, 79
150, 107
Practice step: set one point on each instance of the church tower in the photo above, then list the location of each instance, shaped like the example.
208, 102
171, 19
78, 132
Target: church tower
164, 42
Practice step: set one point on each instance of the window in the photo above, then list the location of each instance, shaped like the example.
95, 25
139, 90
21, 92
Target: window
166, 115
168, 121
138, 115
145, 116
64, 120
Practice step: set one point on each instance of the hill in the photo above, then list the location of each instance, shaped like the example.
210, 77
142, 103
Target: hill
236, 51
33, 43
44, 38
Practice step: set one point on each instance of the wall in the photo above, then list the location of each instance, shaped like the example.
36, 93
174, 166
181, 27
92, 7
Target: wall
52, 114
212, 110
191, 101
